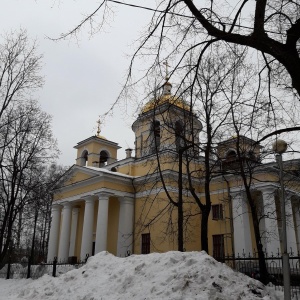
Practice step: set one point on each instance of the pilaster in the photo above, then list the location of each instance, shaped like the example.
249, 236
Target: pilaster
241, 225
87, 232
290, 226
269, 222
54, 232
75, 212
102, 221
64, 241
125, 229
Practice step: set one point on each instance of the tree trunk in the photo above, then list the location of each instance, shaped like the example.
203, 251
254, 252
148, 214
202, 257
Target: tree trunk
264, 275
204, 228
180, 204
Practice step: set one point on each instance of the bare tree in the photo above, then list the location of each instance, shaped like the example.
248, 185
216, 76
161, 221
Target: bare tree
19, 78
270, 27
177, 131
26, 145
20, 67
253, 118
34, 219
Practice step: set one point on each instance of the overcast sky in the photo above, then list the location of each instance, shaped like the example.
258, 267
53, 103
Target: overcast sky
82, 77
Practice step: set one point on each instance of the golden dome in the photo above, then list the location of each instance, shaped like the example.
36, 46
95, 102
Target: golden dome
170, 99
101, 137
166, 97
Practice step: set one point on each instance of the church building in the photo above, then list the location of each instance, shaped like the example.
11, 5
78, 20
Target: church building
130, 206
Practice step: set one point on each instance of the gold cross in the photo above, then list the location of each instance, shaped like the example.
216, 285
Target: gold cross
98, 130
167, 73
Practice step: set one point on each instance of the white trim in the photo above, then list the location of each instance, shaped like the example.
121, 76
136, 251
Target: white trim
80, 197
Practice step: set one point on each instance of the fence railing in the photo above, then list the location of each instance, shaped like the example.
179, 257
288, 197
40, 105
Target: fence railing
18, 270
249, 265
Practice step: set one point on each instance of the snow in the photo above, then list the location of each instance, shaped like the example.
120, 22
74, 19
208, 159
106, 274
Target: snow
172, 275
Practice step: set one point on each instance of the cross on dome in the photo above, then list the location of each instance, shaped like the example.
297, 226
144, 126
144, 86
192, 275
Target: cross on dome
167, 73
98, 127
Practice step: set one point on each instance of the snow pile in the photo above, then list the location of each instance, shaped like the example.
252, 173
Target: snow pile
171, 275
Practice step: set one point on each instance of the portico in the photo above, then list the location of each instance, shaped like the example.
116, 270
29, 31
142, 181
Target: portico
267, 202
90, 222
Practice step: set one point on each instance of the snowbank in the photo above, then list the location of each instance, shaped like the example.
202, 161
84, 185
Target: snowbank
171, 275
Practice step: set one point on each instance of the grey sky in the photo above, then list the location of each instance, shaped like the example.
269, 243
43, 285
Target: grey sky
84, 77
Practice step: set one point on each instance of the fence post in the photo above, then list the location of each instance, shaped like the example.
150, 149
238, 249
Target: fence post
8, 267
54, 267
28, 267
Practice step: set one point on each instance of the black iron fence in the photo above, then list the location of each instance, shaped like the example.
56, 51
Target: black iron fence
245, 263
249, 265
24, 269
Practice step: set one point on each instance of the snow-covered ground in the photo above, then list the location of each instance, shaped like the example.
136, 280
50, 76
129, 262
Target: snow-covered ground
171, 275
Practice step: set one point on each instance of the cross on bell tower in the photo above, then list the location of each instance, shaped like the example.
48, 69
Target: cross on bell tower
98, 127
167, 86
167, 73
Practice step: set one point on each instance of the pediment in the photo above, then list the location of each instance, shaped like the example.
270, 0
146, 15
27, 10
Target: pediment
77, 174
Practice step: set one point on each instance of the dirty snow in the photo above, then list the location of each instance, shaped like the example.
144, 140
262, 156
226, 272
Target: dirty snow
172, 275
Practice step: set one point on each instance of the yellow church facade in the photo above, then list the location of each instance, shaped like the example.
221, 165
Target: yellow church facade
129, 206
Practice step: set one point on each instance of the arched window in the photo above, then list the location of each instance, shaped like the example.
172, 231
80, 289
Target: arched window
231, 155
155, 133
179, 135
251, 155
103, 158
84, 158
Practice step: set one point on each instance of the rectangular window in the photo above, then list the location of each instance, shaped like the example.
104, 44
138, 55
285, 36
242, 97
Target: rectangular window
142, 141
218, 247
145, 243
93, 248
217, 212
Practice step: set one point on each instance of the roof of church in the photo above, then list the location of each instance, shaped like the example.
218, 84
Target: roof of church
98, 139
170, 99
166, 97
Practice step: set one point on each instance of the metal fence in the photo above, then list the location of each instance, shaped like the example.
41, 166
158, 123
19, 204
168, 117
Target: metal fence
248, 264
18, 270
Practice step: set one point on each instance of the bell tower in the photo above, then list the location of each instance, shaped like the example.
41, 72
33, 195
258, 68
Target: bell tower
96, 151
165, 123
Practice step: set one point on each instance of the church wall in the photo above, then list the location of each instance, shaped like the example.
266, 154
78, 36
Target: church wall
127, 169
150, 210
220, 226
78, 177
149, 165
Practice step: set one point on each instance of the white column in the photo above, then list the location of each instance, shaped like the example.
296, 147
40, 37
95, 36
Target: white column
242, 234
296, 210
54, 232
75, 212
290, 228
125, 229
64, 240
87, 232
102, 220
269, 229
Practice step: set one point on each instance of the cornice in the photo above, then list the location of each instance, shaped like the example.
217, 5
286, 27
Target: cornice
80, 196
98, 140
